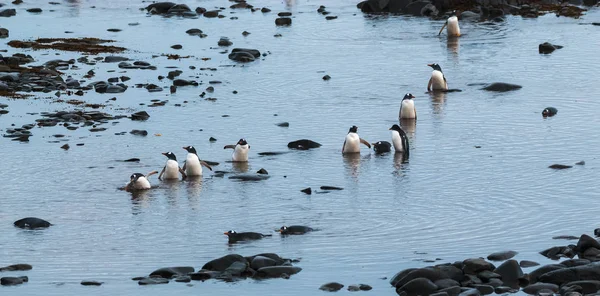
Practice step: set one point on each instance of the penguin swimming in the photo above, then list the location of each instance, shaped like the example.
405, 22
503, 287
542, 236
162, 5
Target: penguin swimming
294, 229
138, 181
400, 140
240, 151
353, 141
407, 107
452, 24
193, 164
171, 169
437, 80
243, 236
382, 147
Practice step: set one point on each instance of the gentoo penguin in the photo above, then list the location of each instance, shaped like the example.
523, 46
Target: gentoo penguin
437, 80
400, 140
171, 169
382, 147
294, 229
407, 107
193, 164
352, 142
138, 181
240, 151
452, 23
243, 236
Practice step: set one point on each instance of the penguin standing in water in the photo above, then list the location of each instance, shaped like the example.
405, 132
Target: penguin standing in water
138, 181
193, 164
353, 141
240, 151
437, 82
400, 140
171, 169
407, 107
452, 24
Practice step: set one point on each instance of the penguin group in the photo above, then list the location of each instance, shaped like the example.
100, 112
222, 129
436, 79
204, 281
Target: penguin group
192, 166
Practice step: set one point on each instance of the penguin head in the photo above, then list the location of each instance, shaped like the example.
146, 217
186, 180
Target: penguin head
170, 155
283, 229
230, 232
135, 177
435, 67
353, 129
190, 149
395, 127
408, 96
242, 142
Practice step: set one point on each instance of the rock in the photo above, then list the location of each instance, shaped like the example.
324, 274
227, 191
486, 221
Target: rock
307, 190
153, 281
65, 147
331, 17
570, 274
417, 7
91, 283
418, 286
331, 287
249, 177
177, 46
549, 112
535, 288
575, 262
200, 10
224, 41
353, 288
277, 271
534, 275
303, 144
203, 275
546, 48
169, 272
452, 291
183, 82
431, 273
236, 268
501, 256
504, 289
502, 87
183, 279
470, 292
211, 13
13, 281
511, 273
244, 55
587, 287
3, 33
283, 124
560, 166
476, 265
259, 262
16, 267
142, 115
486, 275
365, 287
400, 275
222, 263
326, 77
446, 283
8, 13
527, 263
160, 7
32, 223
495, 282
194, 32
585, 242
283, 21
484, 289
262, 172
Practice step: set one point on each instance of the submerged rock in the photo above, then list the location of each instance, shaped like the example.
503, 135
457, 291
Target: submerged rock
169, 272
331, 287
501, 87
32, 223
283, 21
546, 48
13, 281
91, 283
16, 267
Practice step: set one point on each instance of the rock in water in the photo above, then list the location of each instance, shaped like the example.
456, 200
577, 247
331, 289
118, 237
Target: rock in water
501, 87
331, 287
91, 283
32, 223
501, 256
283, 21
13, 281
546, 48
16, 267
169, 272
221, 264
303, 144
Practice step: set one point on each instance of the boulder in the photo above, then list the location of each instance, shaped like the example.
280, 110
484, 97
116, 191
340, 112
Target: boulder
501, 256
535, 288
585, 242
331, 287
16, 267
578, 273
13, 281
587, 287
534, 275
415, 8
160, 7
418, 286
153, 281
476, 265
221, 264
277, 271
3, 33
169, 272
511, 273
259, 262
283, 21
546, 48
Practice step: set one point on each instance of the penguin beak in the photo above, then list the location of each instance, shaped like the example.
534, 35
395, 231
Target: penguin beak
430, 65
412, 97
226, 233
164, 153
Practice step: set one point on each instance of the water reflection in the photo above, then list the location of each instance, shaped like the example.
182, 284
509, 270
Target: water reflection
194, 187
409, 126
452, 44
172, 188
438, 99
352, 163
240, 167
400, 161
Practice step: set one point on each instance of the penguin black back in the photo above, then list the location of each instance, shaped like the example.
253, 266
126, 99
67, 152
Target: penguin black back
382, 147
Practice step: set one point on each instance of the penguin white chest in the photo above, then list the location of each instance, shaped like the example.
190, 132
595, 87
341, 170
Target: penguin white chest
240, 153
453, 29
141, 183
407, 110
397, 141
437, 81
352, 143
171, 170
192, 165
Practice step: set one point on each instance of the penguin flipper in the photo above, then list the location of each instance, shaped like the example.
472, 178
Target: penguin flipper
445, 82
202, 162
344, 146
365, 142
229, 147
184, 165
183, 175
442, 29
161, 173
151, 173
429, 84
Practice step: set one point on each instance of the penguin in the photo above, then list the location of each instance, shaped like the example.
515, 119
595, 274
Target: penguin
382, 147
240, 151
138, 181
400, 140
407, 107
452, 23
353, 141
294, 229
193, 164
437, 80
549, 112
171, 168
243, 236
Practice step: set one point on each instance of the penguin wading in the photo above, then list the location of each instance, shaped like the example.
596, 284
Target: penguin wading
193, 164
138, 181
171, 169
400, 140
437, 80
353, 141
452, 24
407, 107
240, 151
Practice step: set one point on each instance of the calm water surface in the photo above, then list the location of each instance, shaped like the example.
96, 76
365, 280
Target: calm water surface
451, 201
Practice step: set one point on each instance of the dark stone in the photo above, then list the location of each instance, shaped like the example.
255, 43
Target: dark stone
446, 283
535, 275
511, 273
221, 264
501, 87
501, 256
224, 41
504, 289
177, 46
183, 82
169, 272
265, 10
415, 8
34, 10
249, 177
91, 283
470, 292
160, 7
535, 288
203, 275
326, 77
575, 262
236, 268
13, 281
560, 166
331, 17
277, 271
365, 287
8, 13
400, 275
65, 147
451, 291
331, 287
476, 265
571, 274
585, 242
303, 144
153, 281
262, 172
353, 288
283, 21
194, 32
183, 279
486, 275
32, 223
546, 48
200, 10
307, 190
418, 286
3, 33
587, 287
259, 262
283, 124
211, 13
16, 267
484, 289
142, 115
211, 139
527, 263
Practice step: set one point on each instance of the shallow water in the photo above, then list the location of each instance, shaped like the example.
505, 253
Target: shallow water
450, 201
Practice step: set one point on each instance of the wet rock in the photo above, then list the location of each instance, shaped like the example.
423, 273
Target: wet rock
248, 177
194, 32
265, 10
245, 33
222, 263
452, 291
65, 147
160, 7
224, 41
446, 283
415, 8
303, 144
587, 287
34, 10
183, 279
244, 55
331, 17
476, 265
527, 263
3, 33
353, 288
91, 283
585, 242
486, 275
307, 190
284, 14
183, 82
501, 256
502, 87
153, 281
365, 287
331, 188
142, 115
331, 287
262, 172
535, 288
277, 271
8, 13
259, 262
115, 59
561, 276
211, 13
32, 223
114, 30
16, 267
418, 286
547, 48
13, 281
560, 166
283, 21
211, 139
326, 77
142, 133
179, 9
511, 273
470, 292
177, 46
283, 124
535, 275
